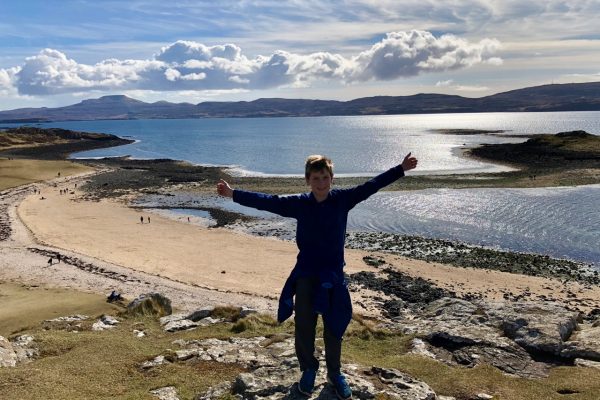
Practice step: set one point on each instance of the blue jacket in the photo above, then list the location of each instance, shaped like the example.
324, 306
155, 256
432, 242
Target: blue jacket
320, 237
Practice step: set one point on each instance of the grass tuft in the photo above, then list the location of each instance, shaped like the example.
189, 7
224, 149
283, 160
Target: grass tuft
228, 313
254, 323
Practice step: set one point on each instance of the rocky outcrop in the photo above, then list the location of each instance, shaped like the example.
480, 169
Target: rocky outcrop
105, 322
165, 393
540, 328
523, 339
583, 344
273, 371
20, 349
201, 317
150, 304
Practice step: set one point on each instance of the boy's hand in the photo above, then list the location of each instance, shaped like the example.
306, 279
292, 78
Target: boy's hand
409, 162
224, 189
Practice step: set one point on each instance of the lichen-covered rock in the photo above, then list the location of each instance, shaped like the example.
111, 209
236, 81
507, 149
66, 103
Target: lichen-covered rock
150, 304
180, 325
67, 323
69, 318
245, 311
165, 393
584, 343
20, 349
539, 327
200, 314
172, 317
8, 357
504, 335
586, 363
156, 361
273, 371
403, 386
105, 322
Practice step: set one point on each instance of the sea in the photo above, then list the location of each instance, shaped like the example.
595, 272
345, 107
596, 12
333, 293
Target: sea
560, 222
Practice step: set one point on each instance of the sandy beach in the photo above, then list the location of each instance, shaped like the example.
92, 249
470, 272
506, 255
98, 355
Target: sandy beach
234, 266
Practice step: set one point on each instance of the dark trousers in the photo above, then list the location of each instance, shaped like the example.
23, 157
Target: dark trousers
305, 319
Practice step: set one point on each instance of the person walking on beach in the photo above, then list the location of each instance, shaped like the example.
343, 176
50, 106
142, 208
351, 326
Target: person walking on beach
142, 219
317, 281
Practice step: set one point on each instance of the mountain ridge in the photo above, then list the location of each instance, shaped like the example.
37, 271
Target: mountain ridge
553, 97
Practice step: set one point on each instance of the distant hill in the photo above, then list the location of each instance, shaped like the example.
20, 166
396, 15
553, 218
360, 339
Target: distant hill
563, 97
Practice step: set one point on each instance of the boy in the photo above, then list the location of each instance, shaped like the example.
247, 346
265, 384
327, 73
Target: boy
317, 281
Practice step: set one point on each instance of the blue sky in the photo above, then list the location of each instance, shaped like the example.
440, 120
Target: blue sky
55, 53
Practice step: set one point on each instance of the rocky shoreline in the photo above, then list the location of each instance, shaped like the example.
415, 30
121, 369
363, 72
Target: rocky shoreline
167, 178
129, 178
472, 256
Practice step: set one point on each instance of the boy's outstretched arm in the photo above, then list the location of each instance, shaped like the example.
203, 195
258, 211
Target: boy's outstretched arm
224, 189
286, 206
362, 192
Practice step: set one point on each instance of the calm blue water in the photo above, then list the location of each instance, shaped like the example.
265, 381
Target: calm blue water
360, 145
562, 222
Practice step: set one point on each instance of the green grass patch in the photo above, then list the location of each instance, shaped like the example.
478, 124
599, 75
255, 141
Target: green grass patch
25, 306
581, 142
105, 365
18, 172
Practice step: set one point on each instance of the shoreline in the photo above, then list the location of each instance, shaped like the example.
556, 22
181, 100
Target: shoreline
81, 241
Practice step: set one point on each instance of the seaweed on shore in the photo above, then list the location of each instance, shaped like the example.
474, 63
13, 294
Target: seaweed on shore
464, 255
127, 176
402, 289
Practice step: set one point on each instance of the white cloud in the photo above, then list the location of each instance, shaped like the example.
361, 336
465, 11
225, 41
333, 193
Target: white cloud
578, 78
470, 88
186, 65
448, 82
182, 51
403, 54
7, 81
461, 88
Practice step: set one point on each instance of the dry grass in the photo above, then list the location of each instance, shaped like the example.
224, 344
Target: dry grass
15, 140
105, 365
25, 306
590, 143
466, 383
15, 173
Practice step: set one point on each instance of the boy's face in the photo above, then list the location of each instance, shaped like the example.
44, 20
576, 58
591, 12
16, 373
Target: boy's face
320, 183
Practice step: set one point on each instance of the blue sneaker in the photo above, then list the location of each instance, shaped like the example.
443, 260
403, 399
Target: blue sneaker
306, 385
342, 389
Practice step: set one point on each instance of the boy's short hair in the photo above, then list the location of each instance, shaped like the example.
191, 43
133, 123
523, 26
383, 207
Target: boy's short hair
317, 162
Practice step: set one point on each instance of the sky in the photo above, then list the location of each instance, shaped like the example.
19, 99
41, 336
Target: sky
59, 52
